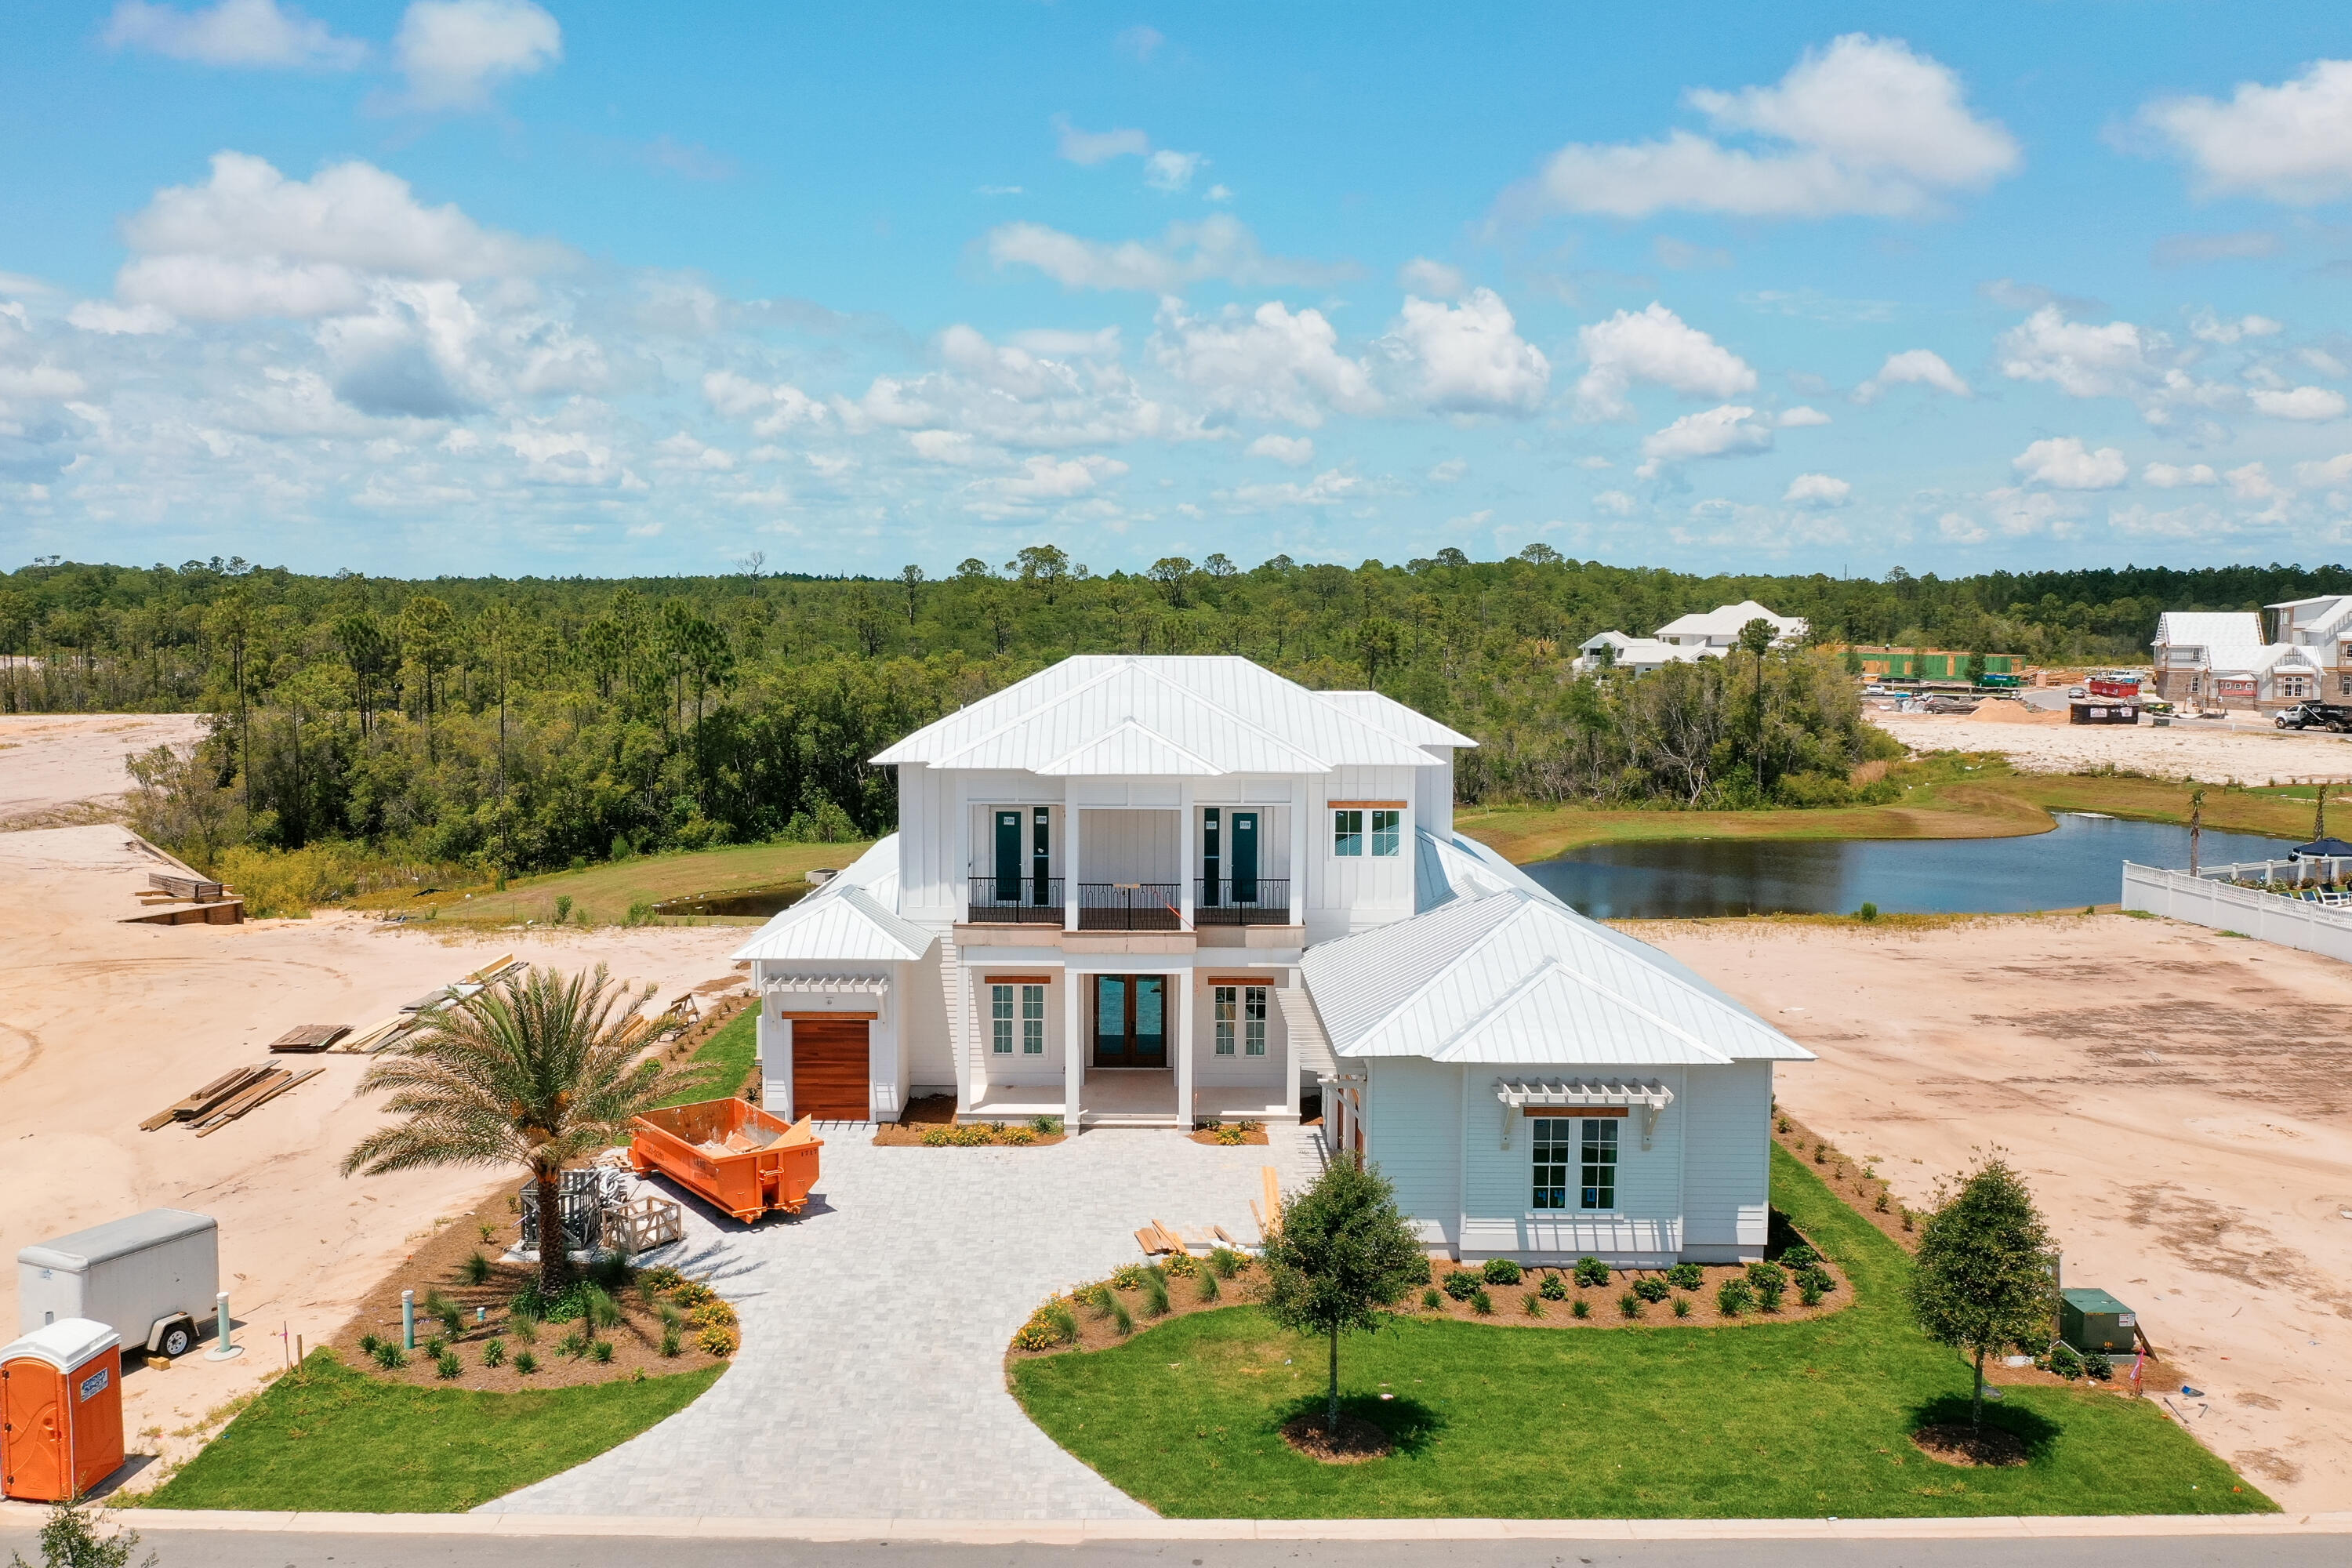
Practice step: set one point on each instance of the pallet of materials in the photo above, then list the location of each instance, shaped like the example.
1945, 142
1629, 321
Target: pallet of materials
228, 1096
191, 887
309, 1038
226, 912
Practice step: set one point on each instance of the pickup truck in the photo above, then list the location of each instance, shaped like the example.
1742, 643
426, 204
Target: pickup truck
2316, 716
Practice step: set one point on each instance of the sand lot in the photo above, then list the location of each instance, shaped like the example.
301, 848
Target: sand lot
102, 1023
2179, 1099
2183, 750
68, 767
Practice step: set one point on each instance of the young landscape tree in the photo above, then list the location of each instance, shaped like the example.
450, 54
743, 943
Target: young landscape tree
1341, 1253
1982, 1279
538, 1070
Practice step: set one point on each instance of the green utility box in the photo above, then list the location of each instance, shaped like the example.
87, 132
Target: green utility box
2094, 1320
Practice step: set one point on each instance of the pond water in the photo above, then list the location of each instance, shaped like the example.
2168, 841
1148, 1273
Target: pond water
760, 902
2080, 862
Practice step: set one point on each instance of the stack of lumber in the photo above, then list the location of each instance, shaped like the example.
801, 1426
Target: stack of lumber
228, 1096
1159, 1239
309, 1038
194, 889
378, 1035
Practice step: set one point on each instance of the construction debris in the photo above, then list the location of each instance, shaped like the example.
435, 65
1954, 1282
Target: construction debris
228, 1096
309, 1038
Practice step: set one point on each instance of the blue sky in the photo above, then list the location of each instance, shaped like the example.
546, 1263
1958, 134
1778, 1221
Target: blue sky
487, 285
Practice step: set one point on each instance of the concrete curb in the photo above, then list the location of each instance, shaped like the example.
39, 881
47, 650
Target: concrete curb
1087, 1532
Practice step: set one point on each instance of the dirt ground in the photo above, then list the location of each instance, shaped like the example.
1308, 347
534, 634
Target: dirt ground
62, 768
2178, 1097
102, 1023
2183, 750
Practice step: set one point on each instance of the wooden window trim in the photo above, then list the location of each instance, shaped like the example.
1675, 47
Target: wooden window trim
1266, 980
1018, 980
796, 1017
1366, 805
1617, 1112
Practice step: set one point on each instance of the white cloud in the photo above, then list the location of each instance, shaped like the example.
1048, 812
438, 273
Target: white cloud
2335, 470
1434, 280
1049, 478
1732, 430
2325, 364
2173, 476
1469, 358
1055, 343
2026, 514
954, 447
1616, 503
1913, 367
1653, 345
1327, 489
251, 242
455, 53
233, 32
2079, 359
1219, 246
1292, 451
1817, 491
1088, 148
2253, 482
2291, 144
778, 408
120, 321
1141, 41
2210, 327
1169, 170
1005, 394
1862, 126
1448, 471
1271, 364
2302, 402
1218, 193
1801, 416
2063, 462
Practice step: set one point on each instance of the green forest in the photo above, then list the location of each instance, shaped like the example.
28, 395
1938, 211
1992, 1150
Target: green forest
525, 724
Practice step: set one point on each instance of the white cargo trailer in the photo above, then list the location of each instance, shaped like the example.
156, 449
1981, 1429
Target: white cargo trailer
150, 1278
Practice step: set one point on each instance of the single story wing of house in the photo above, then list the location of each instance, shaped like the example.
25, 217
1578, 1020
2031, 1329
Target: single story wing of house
1209, 894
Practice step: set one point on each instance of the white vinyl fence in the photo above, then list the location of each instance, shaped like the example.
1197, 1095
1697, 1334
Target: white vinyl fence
2207, 901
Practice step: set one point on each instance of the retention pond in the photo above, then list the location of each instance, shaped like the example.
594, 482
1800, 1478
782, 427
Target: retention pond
2080, 862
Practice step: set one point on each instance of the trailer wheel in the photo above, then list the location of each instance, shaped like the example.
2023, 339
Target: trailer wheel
178, 1340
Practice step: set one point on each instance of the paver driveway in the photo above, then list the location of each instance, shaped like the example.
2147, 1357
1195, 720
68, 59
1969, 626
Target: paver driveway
871, 1380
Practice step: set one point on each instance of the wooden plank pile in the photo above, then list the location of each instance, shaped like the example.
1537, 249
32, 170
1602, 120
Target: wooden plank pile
309, 1038
229, 1097
194, 888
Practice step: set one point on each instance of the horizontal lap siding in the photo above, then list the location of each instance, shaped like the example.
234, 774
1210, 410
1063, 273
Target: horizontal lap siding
1208, 1067
1413, 1122
924, 1047
1645, 1228
1725, 1174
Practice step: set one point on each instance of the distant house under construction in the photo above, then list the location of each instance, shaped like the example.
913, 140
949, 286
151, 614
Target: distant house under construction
1929, 663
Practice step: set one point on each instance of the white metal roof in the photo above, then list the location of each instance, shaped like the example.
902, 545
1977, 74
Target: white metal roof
1407, 724
1638, 653
1119, 714
850, 918
1307, 1038
1503, 972
2232, 639
1725, 621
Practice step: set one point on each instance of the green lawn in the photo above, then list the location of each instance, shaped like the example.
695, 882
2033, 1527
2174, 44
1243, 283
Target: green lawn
603, 893
725, 1059
1770, 1420
328, 1439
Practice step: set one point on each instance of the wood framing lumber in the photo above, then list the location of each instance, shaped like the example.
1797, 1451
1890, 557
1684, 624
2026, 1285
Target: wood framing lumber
236, 1104
309, 1037
280, 1082
206, 1099
1271, 1215
367, 1037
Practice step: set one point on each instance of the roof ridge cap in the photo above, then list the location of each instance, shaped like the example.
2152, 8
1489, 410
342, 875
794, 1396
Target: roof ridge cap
985, 736
1132, 722
1216, 707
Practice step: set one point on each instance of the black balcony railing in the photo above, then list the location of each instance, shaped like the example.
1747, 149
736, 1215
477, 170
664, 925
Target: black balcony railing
1129, 906
1016, 900
1241, 902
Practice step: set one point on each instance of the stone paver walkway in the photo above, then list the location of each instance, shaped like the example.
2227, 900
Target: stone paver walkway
871, 1379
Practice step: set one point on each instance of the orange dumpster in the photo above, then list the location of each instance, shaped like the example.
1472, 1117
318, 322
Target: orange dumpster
731, 1153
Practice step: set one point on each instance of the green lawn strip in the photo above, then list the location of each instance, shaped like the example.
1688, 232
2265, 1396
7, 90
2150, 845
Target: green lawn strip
724, 1060
329, 1438
1769, 1420
603, 893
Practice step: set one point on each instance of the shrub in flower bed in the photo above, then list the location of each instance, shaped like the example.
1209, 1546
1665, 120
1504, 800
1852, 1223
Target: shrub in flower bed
1500, 1271
1651, 1288
1592, 1271
1554, 1288
1686, 1277
1460, 1284
718, 1339
1734, 1296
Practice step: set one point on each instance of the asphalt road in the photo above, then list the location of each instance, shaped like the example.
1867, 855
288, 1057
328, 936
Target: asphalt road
224, 1549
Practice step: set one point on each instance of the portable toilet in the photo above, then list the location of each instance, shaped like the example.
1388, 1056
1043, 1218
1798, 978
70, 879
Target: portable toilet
2091, 1320
60, 1410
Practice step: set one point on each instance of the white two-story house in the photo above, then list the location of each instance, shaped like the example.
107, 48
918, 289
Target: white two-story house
1155, 892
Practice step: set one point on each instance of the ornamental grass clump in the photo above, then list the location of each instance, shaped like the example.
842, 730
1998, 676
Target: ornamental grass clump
1628, 1304
1205, 1286
494, 1352
1482, 1303
1433, 1299
540, 1070
1734, 1296
672, 1340
447, 1365
1580, 1307
1155, 1293
1682, 1307
477, 1270
390, 1356
525, 1364
1226, 1262
1532, 1304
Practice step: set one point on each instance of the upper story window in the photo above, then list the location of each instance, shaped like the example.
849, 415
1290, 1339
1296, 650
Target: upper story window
1353, 825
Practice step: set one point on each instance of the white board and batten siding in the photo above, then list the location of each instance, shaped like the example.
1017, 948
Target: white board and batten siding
1644, 1230
1350, 893
1413, 1131
1727, 1168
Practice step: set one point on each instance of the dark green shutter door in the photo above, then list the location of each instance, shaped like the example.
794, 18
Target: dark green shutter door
1008, 857
1246, 857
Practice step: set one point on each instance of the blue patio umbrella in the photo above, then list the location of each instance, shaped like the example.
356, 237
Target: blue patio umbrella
2321, 849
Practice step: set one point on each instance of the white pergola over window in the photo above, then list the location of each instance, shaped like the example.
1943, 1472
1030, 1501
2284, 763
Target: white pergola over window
855, 985
1518, 1097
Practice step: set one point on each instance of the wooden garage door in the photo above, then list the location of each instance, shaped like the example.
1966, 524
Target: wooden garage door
829, 1068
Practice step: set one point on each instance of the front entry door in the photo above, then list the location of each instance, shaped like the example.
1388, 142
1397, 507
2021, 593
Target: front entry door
1131, 1021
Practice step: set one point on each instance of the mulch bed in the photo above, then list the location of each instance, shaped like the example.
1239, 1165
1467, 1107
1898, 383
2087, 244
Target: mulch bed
1955, 1444
438, 1264
1252, 1133
1852, 1181
936, 1112
1356, 1441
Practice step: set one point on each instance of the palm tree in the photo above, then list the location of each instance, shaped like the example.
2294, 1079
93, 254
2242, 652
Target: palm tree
538, 1070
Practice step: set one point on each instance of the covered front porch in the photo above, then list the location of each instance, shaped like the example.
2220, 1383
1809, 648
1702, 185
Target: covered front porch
1132, 1097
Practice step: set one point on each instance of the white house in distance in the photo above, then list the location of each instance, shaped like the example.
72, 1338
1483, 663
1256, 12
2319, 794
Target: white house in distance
1153, 893
2221, 659
1711, 634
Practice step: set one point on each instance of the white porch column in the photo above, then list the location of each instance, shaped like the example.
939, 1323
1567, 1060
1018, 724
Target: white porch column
1186, 984
1298, 850
1070, 813
1185, 859
1290, 1050
1074, 1045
